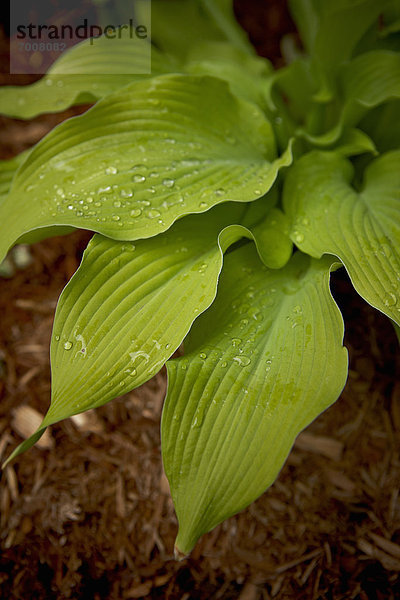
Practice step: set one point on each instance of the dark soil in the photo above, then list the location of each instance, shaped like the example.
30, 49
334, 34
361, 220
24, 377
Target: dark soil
88, 514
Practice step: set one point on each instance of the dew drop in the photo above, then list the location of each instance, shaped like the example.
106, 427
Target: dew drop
236, 342
153, 214
203, 355
111, 171
243, 361
219, 192
116, 217
126, 193
138, 178
67, 345
298, 237
136, 212
57, 338
390, 300
169, 183
117, 204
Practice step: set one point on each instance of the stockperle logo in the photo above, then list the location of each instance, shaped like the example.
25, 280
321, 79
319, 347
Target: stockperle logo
41, 32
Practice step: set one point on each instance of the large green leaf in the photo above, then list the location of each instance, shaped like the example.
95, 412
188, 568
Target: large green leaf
248, 383
362, 228
246, 74
365, 82
129, 306
330, 31
177, 24
8, 168
85, 73
382, 124
142, 158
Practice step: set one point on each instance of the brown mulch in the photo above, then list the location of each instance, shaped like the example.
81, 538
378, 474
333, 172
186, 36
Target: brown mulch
88, 514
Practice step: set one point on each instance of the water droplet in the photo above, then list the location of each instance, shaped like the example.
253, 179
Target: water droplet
136, 212
126, 193
104, 190
169, 183
305, 221
111, 171
138, 178
67, 345
117, 204
390, 300
219, 192
70, 207
153, 213
298, 237
116, 217
128, 248
203, 355
236, 342
57, 338
243, 361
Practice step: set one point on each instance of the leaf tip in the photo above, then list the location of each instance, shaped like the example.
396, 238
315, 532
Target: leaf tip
179, 555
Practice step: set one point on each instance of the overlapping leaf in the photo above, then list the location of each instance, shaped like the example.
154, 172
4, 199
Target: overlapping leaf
248, 383
142, 158
330, 31
361, 92
177, 23
246, 74
85, 73
362, 228
128, 308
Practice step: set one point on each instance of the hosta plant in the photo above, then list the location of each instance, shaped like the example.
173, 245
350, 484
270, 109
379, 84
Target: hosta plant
223, 194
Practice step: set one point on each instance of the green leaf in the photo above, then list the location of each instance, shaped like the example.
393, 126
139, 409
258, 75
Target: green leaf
382, 124
331, 31
271, 236
128, 308
353, 142
361, 228
246, 74
142, 158
8, 168
221, 11
366, 81
247, 385
176, 24
85, 73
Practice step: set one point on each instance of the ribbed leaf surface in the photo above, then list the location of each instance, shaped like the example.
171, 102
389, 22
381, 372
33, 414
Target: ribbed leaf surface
84, 74
129, 306
143, 157
363, 229
247, 385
